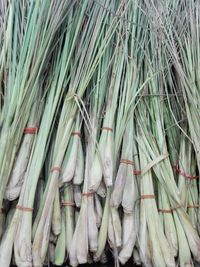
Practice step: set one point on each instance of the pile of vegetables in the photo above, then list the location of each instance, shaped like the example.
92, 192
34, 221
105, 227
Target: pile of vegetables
99, 132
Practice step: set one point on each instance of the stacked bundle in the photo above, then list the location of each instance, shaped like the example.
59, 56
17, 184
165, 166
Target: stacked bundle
99, 124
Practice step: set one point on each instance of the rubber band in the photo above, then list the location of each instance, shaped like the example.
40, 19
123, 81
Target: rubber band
165, 211
24, 208
77, 134
87, 194
56, 169
30, 130
170, 210
126, 161
188, 176
107, 129
191, 206
148, 197
68, 204
136, 172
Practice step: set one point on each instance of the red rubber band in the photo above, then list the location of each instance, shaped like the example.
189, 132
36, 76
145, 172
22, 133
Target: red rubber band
30, 130
136, 172
188, 176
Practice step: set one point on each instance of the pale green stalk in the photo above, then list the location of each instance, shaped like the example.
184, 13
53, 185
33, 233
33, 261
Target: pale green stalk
129, 229
70, 160
27, 146
61, 241
160, 249
56, 223
69, 217
114, 229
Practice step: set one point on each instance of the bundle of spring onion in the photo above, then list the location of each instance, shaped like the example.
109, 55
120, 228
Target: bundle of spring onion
99, 132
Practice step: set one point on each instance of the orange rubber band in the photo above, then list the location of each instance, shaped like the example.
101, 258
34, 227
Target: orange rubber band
193, 206
24, 208
126, 161
136, 172
87, 194
107, 129
148, 197
77, 134
56, 169
164, 211
30, 130
68, 204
